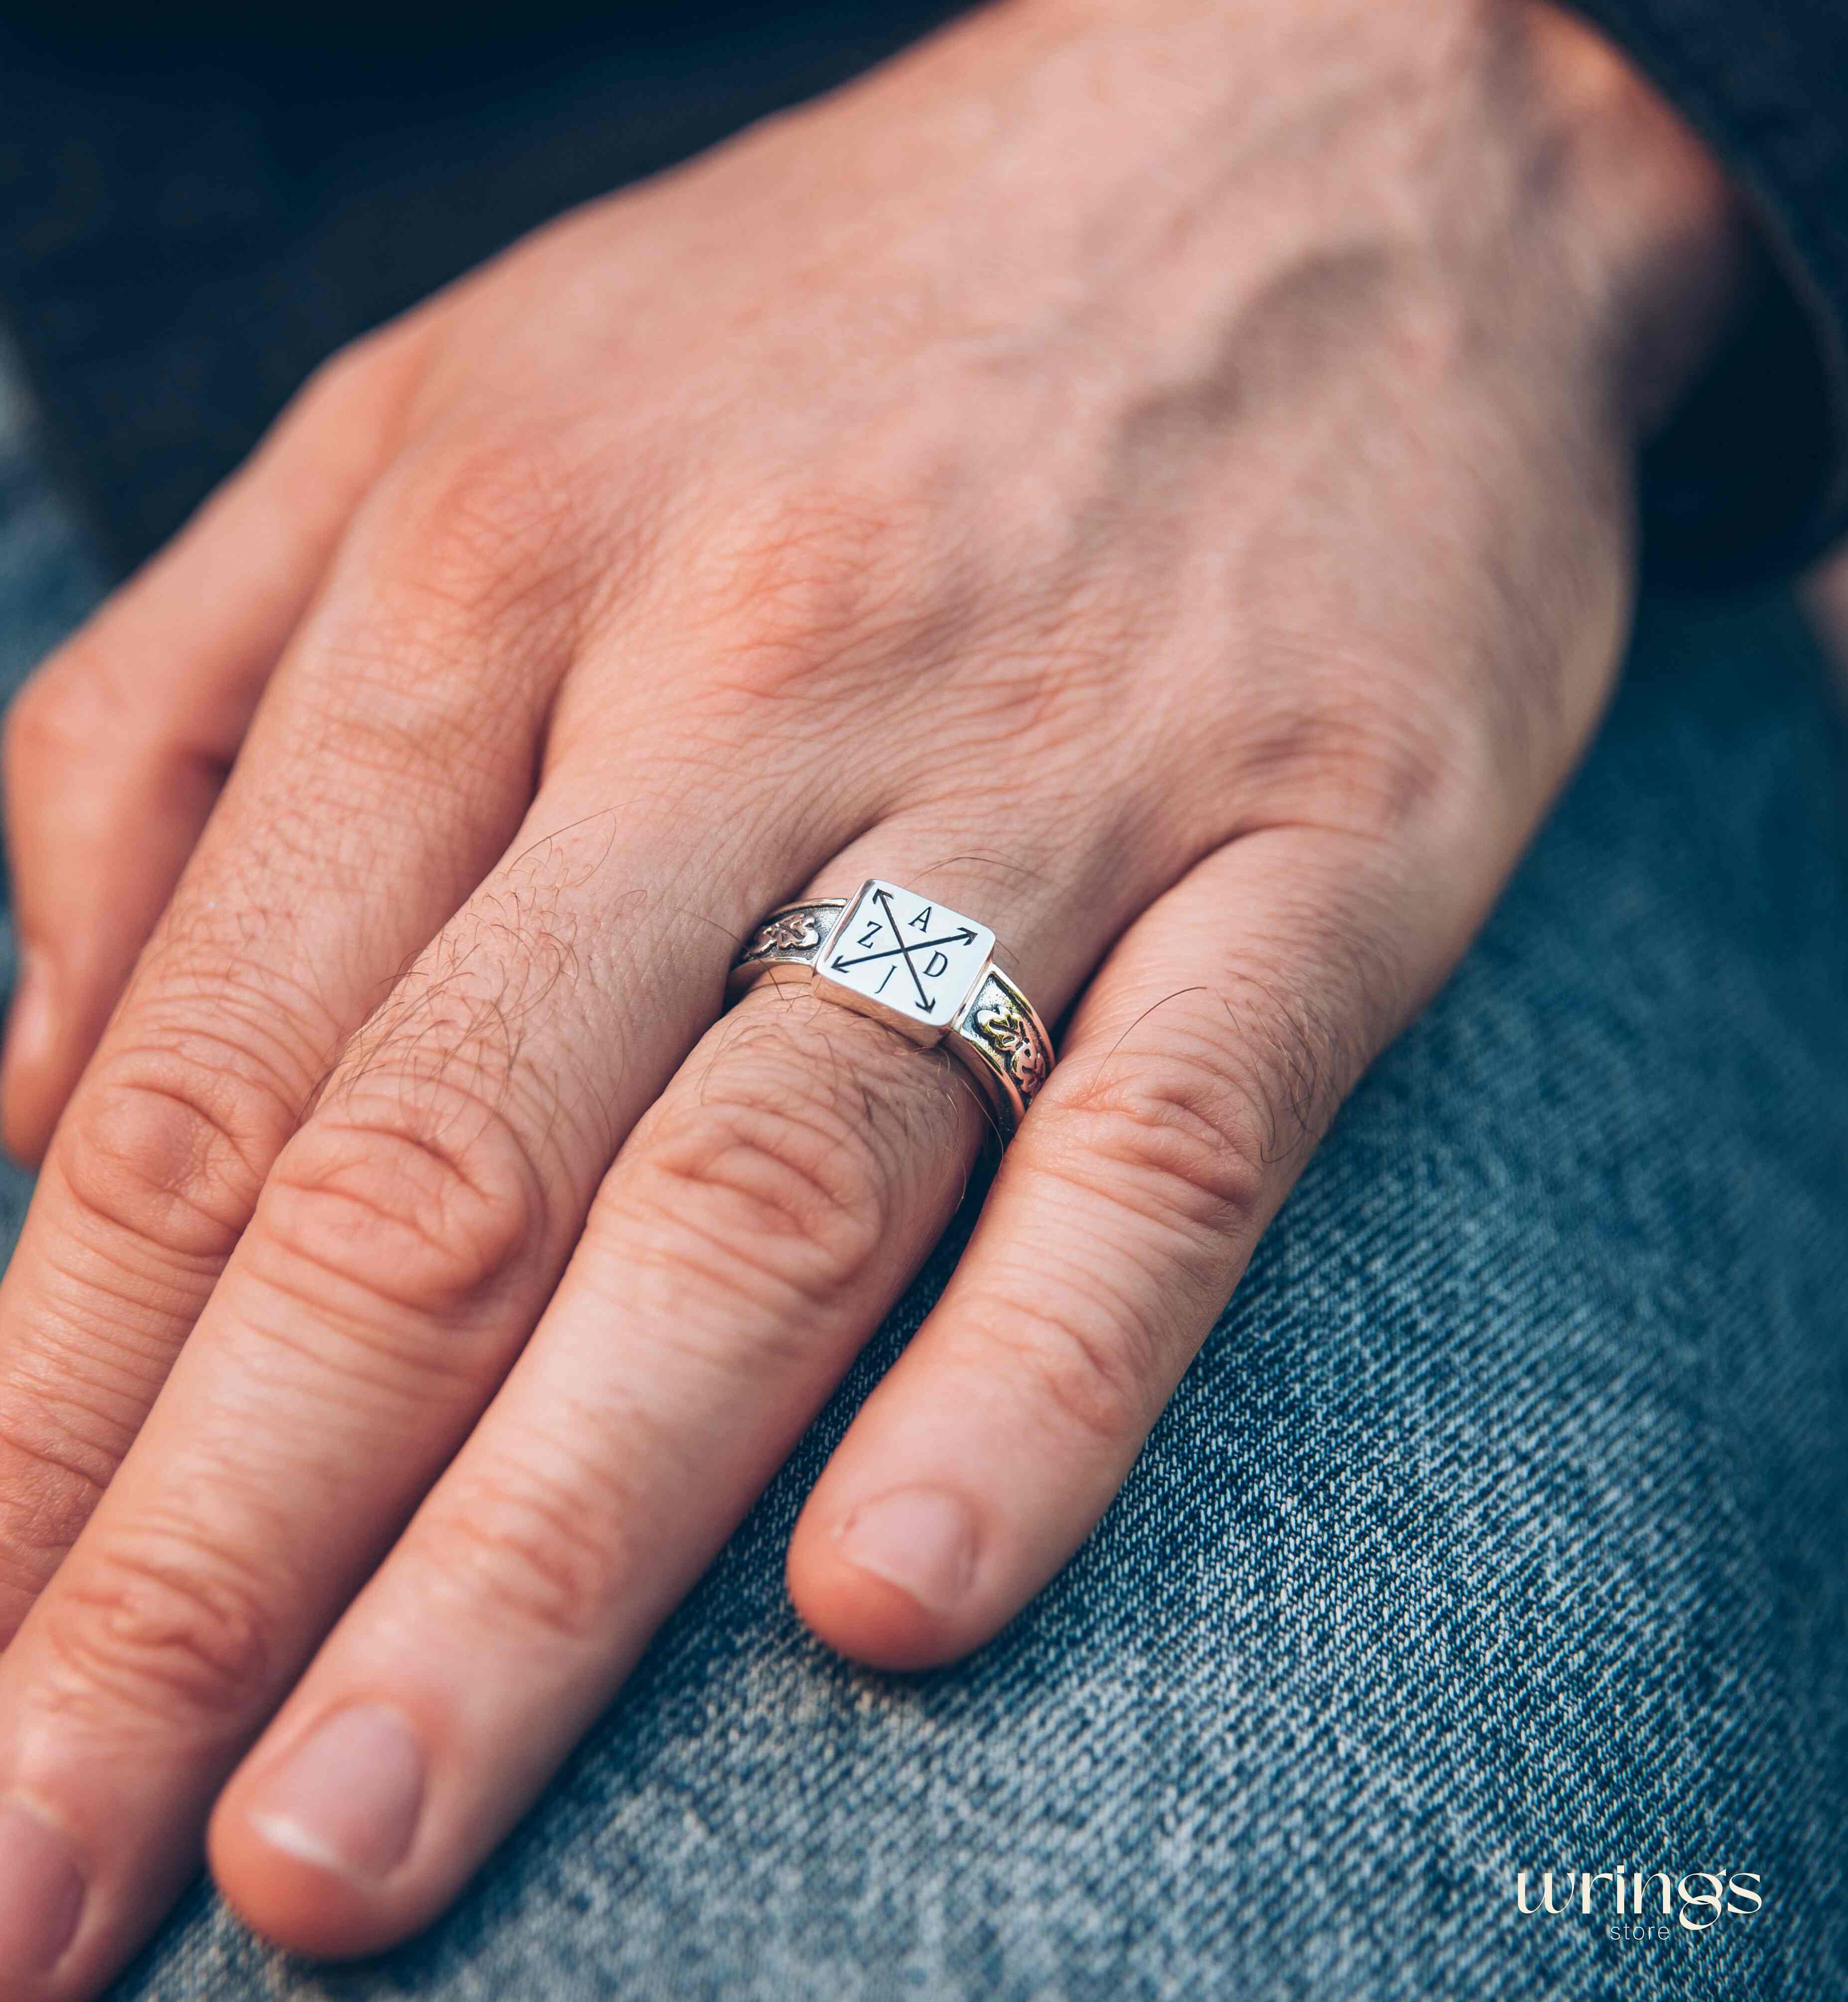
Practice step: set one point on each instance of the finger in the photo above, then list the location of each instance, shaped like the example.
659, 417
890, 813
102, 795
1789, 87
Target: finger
757, 1222
117, 746
1207, 1059
387, 768
404, 1243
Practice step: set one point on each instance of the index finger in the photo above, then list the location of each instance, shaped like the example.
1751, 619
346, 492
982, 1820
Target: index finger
116, 747
375, 790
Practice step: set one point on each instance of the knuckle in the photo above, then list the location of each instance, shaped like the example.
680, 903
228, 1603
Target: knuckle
1088, 1371
768, 1179
1175, 1136
51, 1481
58, 718
533, 1556
1391, 772
354, 400
161, 1627
816, 581
347, 378
425, 1197
1380, 754
489, 536
171, 1148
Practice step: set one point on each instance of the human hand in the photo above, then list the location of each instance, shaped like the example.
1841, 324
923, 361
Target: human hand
1184, 524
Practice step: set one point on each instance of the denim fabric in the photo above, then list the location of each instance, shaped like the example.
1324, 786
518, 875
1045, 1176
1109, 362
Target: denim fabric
1501, 1526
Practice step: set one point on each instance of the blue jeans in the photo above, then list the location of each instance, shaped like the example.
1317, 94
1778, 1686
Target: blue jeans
1501, 1527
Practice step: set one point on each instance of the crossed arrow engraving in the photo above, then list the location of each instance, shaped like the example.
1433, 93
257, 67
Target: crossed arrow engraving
965, 936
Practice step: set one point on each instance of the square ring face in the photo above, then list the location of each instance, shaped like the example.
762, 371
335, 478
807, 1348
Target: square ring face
903, 959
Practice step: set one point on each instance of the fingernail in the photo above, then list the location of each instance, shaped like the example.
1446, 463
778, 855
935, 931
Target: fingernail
919, 1539
31, 1023
41, 1894
348, 1798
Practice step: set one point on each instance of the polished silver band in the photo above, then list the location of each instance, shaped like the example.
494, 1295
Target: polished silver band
923, 969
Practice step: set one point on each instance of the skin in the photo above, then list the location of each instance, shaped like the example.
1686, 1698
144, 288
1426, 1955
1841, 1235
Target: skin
1159, 482
1826, 596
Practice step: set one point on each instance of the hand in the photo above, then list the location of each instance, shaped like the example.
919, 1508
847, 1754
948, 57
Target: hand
1161, 485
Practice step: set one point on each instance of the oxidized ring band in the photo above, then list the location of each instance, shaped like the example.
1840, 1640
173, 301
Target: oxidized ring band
921, 968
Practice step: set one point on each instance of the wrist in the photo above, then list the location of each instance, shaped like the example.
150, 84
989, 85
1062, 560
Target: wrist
1445, 123
1666, 249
